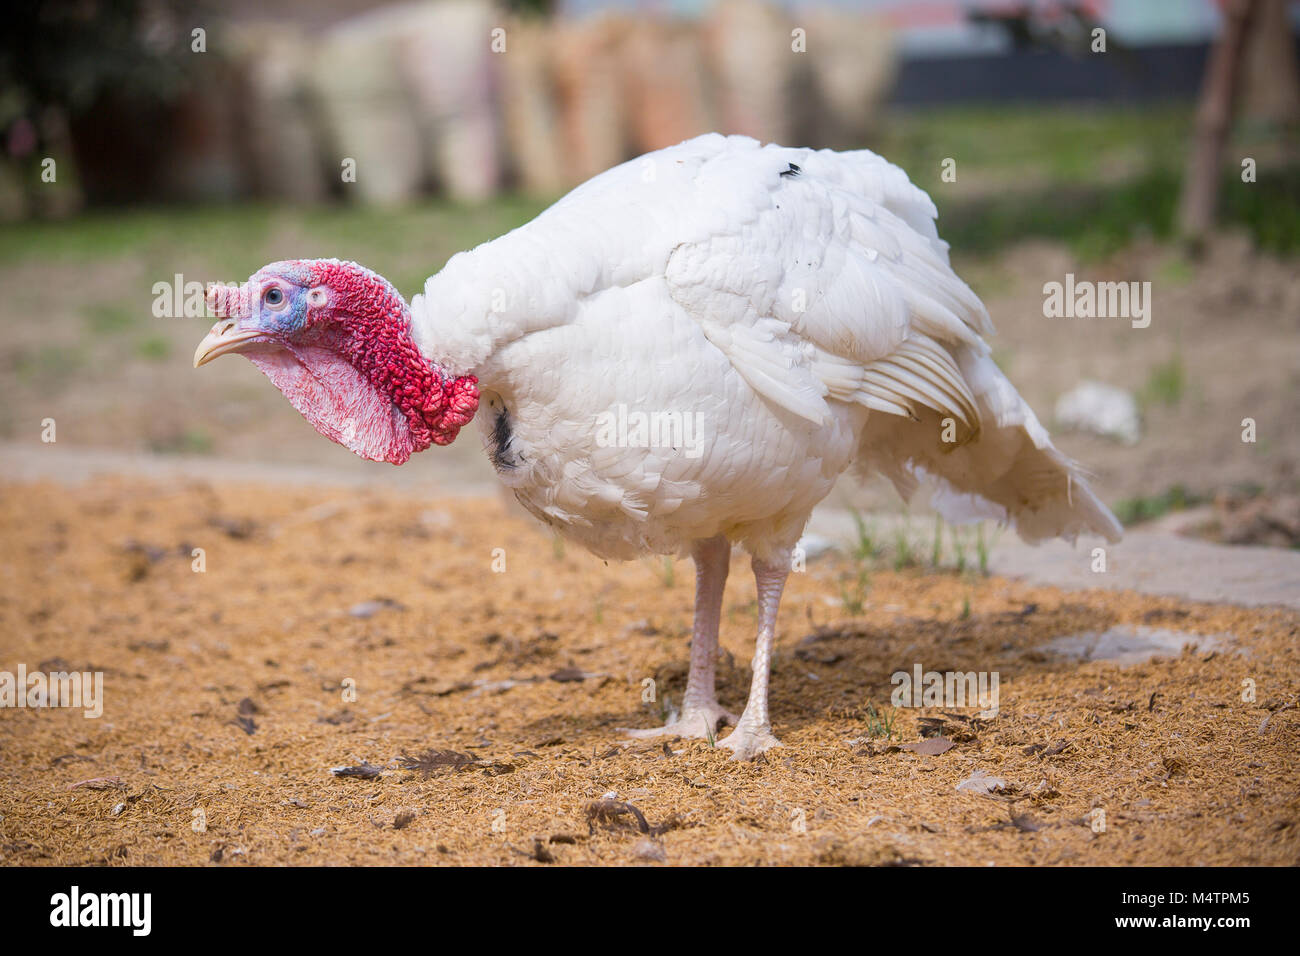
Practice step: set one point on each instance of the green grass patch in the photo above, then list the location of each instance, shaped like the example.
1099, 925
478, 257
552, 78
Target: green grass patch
854, 591
1166, 384
109, 319
189, 441
1075, 145
230, 242
1132, 511
49, 362
880, 723
1094, 179
155, 348
866, 547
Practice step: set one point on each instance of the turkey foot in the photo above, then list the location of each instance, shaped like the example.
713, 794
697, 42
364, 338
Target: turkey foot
747, 741
696, 720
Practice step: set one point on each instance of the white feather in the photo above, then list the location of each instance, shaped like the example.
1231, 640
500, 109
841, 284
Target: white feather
797, 305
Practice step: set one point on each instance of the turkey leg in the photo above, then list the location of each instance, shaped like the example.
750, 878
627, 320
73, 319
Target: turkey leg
753, 733
701, 714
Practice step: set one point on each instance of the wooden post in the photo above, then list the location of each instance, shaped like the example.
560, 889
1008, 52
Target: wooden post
1214, 120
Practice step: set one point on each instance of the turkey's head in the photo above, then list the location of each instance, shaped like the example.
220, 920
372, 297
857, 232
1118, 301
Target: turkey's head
335, 338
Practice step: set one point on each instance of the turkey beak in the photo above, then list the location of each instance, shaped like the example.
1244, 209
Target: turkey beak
226, 336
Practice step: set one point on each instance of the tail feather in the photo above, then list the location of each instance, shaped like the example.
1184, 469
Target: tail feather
1010, 471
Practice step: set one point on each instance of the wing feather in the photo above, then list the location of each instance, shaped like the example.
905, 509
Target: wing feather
842, 256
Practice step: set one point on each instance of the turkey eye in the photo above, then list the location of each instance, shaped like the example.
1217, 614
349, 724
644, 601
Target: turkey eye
274, 297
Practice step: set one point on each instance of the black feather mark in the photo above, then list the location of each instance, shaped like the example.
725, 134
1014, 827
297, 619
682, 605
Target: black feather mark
502, 433
791, 172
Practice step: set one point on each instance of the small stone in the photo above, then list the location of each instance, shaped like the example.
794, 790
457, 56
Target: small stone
1101, 409
648, 849
982, 782
370, 608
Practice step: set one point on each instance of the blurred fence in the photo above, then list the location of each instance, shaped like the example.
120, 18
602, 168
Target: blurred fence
457, 98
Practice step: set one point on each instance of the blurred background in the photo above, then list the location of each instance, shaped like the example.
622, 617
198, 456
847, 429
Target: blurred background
1114, 140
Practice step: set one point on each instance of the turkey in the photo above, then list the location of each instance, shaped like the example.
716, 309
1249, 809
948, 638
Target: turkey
682, 355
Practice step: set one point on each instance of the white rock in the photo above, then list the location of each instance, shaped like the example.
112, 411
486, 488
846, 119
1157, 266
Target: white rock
815, 545
982, 781
648, 849
1101, 409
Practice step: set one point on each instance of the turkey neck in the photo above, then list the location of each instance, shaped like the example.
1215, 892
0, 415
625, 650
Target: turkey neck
378, 344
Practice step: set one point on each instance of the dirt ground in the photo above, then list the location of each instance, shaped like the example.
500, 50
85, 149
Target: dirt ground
227, 701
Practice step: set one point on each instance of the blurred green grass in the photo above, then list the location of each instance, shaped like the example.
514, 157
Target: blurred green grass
1093, 178
1068, 145
406, 243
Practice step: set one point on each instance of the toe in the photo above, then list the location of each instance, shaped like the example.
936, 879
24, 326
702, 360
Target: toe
696, 722
747, 744
648, 731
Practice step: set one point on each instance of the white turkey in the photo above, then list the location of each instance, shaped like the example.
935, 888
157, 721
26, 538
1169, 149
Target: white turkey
682, 355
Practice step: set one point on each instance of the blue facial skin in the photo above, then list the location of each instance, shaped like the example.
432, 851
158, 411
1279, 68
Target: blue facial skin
283, 319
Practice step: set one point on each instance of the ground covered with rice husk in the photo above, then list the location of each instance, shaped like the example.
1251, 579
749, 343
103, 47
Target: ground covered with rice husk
478, 674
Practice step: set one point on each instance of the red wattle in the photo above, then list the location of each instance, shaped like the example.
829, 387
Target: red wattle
379, 345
